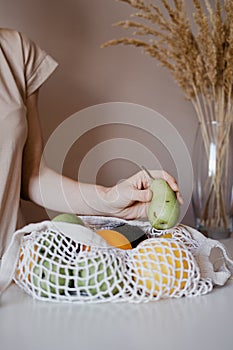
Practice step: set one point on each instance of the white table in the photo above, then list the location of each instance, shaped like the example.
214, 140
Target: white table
203, 322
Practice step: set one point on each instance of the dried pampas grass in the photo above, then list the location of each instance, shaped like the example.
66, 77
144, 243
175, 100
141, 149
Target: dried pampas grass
201, 63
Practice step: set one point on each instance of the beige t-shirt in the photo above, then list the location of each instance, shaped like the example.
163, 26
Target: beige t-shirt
24, 67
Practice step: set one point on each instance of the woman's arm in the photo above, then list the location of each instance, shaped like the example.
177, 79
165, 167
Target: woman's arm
40, 184
46, 187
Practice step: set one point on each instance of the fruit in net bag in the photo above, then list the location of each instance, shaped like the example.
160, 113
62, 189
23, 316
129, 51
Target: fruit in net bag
164, 209
49, 272
162, 267
50, 276
115, 239
98, 275
69, 218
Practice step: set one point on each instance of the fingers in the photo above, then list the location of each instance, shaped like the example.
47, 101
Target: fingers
173, 184
142, 195
179, 197
140, 180
166, 176
170, 180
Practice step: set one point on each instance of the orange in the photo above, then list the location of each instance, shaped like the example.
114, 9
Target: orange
161, 266
31, 263
115, 239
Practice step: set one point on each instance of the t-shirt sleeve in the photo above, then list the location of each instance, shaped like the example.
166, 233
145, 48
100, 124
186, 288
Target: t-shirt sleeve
38, 65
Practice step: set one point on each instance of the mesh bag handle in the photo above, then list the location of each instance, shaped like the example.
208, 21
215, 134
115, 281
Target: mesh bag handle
220, 267
211, 255
11, 256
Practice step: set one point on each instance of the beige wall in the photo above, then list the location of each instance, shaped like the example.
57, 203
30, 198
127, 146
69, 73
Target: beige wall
72, 31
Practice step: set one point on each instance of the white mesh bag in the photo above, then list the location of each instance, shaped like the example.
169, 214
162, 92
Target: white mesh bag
71, 263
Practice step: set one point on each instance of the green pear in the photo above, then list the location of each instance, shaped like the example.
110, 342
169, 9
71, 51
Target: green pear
70, 218
164, 209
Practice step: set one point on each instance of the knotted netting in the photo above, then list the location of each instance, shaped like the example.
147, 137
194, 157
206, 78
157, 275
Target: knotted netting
54, 266
71, 263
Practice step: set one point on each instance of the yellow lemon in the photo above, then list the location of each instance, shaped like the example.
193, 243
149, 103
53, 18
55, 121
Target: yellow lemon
115, 239
161, 266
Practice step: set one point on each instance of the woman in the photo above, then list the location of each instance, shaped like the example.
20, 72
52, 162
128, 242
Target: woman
24, 67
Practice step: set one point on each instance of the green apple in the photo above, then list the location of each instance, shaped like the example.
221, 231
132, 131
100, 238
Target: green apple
164, 209
93, 273
49, 276
69, 218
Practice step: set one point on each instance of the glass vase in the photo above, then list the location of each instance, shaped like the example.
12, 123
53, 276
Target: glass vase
213, 179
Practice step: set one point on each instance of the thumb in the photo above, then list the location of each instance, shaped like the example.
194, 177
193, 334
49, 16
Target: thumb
142, 195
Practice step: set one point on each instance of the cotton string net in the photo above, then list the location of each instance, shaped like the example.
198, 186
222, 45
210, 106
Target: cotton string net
55, 267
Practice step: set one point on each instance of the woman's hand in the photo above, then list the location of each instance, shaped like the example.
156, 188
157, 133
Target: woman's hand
130, 199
